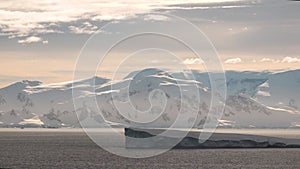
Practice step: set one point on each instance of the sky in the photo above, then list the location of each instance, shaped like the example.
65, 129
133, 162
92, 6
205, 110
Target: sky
41, 39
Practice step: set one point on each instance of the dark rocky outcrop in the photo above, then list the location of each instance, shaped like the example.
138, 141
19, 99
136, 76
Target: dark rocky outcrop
151, 138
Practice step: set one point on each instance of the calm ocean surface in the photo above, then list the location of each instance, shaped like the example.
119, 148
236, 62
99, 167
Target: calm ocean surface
72, 148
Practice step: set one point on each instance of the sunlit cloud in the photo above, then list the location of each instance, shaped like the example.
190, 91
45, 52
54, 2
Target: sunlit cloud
284, 60
156, 18
32, 39
190, 61
86, 28
45, 42
233, 61
290, 60
269, 60
266, 60
40, 17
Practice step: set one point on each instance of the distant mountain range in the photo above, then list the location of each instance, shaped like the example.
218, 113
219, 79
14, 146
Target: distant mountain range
254, 99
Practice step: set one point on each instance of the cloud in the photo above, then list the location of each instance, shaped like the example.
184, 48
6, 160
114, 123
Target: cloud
32, 39
156, 18
290, 60
38, 17
190, 61
266, 60
269, 60
233, 61
85, 28
284, 60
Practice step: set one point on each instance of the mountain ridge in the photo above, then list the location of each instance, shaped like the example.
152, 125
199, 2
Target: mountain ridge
254, 99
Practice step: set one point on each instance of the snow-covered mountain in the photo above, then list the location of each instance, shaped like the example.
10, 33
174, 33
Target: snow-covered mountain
254, 99
279, 90
154, 98
31, 103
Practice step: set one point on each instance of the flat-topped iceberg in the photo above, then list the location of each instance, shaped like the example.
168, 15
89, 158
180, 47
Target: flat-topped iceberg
154, 138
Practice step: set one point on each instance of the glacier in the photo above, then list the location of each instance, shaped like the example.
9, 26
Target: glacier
254, 100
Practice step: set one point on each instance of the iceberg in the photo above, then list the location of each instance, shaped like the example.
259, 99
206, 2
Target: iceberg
154, 138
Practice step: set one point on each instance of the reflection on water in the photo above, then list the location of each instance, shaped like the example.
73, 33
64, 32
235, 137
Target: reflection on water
283, 133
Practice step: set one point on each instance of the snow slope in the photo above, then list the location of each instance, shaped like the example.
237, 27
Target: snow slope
243, 108
254, 99
50, 105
